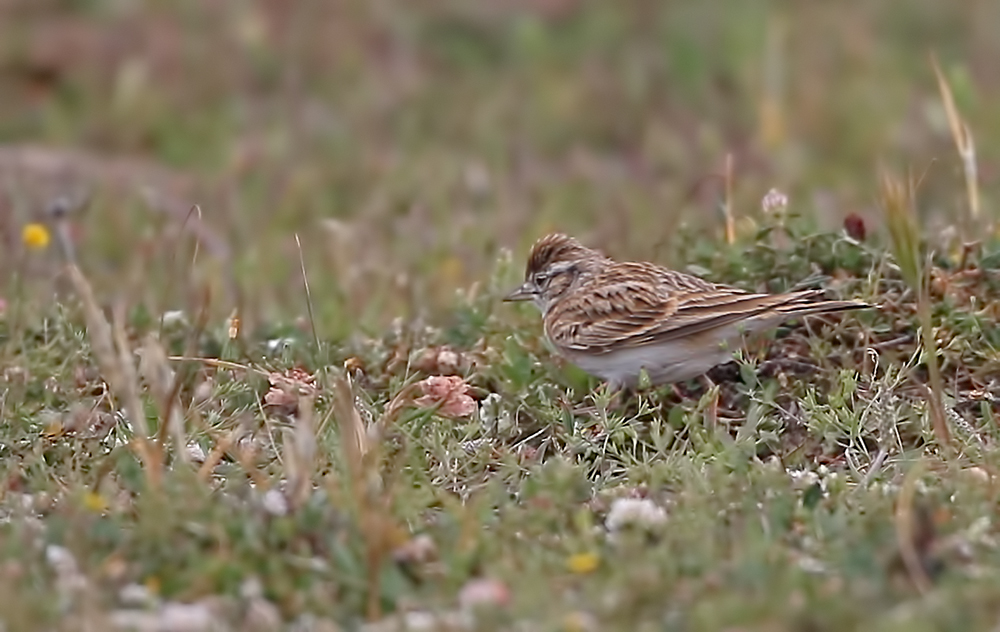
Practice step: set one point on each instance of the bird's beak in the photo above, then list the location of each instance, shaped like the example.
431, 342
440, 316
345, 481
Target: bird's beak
523, 293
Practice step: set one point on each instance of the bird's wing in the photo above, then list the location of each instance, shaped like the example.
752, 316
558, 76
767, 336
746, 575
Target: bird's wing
631, 304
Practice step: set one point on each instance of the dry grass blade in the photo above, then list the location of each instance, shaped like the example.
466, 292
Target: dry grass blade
118, 370
168, 290
906, 532
58, 212
98, 328
156, 372
218, 451
353, 441
305, 284
897, 203
353, 434
372, 500
219, 364
727, 204
244, 454
962, 135
710, 406
300, 453
151, 450
772, 122
128, 378
901, 220
170, 397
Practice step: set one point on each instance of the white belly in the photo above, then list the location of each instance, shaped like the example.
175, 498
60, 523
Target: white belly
669, 362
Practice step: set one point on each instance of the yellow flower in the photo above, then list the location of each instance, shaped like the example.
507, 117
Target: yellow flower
94, 502
53, 429
583, 563
35, 236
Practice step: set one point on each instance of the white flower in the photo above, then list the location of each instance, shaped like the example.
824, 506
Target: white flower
634, 512
774, 200
179, 617
489, 408
69, 580
251, 588
493, 415
811, 565
274, 503
61, 560
136, 596
420, 621
174, 317
195, 452
803, 478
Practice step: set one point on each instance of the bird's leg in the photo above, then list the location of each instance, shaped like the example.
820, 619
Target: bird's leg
618, 394
706, 382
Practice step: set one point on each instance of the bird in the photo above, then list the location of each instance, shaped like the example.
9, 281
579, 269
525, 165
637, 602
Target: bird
619, 320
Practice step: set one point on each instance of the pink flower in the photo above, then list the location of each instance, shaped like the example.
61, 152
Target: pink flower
450, 393
482, 592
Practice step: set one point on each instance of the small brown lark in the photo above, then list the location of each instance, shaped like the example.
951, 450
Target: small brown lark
618, 319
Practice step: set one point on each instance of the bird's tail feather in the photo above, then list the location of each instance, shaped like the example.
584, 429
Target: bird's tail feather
814, 302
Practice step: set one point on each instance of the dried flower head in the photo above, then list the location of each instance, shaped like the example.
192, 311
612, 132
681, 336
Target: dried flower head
449, 393
287, 387
854, 226
441, 361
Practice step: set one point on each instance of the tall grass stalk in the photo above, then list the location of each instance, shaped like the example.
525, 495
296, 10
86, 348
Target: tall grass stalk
897, 198
964, 142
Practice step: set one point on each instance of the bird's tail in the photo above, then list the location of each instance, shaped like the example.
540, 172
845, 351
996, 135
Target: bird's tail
809, 302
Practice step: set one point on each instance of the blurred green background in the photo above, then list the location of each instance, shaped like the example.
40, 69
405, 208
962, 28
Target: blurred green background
407, 142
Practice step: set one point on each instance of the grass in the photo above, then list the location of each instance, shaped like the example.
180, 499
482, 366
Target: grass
189, 429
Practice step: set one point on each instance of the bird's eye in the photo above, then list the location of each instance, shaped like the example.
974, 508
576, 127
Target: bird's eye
541, 278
